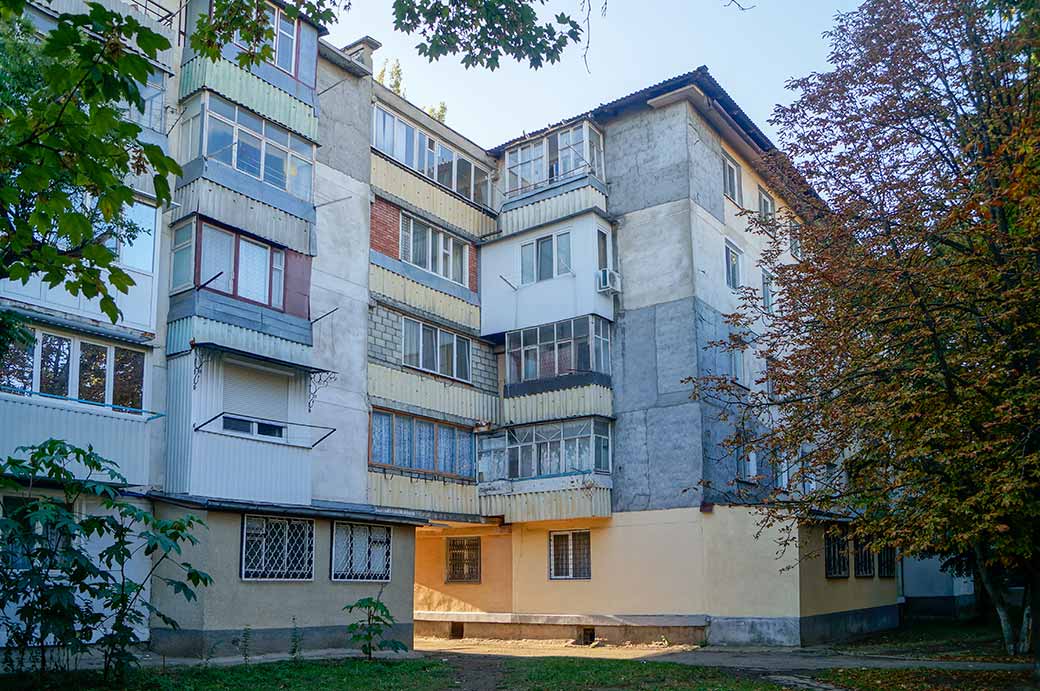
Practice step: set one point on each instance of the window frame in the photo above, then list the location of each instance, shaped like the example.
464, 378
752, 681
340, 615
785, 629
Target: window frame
766, 204
534, 243
730, 166
72, 381
794, 239
370, 577
437, 350
733, 258
553, 576
276, 28
77, 508
836, 553
597, 345
197, 248
532, 442
591, 156
467, 552
436, 471
289, 150
768, 295
434, 249
267, 519
863, 558
886, 562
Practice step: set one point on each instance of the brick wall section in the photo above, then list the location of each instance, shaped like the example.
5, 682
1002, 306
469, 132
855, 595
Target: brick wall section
386, 228
386, 348
474, 253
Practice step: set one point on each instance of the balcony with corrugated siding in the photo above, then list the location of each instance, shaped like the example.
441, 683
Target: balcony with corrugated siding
549, 204
558, 404
573, 495
123, 437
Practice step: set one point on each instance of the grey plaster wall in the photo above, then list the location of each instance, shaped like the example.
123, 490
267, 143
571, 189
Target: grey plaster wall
345, 123
385, 347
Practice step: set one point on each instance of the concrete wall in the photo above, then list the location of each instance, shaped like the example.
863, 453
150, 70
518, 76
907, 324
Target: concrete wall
931, 592
494, 592
216, 621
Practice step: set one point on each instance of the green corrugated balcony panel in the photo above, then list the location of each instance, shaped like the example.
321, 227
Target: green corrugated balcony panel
246, 89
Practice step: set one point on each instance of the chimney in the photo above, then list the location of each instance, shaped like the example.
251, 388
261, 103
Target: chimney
360, 51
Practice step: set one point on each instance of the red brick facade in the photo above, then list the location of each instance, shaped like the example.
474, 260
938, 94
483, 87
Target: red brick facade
473, 263
386, 228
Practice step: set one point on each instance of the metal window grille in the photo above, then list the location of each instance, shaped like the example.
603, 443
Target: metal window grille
836, 554
463, 560
277, 549
570, 555
864, 560
360, 552
886, 565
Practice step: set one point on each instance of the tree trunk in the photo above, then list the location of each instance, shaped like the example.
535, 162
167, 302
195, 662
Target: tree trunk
1034, 582
997, 595
1025, 632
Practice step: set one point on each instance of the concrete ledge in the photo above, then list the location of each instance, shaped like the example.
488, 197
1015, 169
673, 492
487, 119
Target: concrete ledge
667, 620
837, 626
611, 634
191, 643
754, 631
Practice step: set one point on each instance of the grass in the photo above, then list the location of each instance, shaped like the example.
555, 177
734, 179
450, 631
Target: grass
946, 640
312, 675
568, 674
925, 680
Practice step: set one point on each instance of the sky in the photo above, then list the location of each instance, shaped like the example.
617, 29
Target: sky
751, 53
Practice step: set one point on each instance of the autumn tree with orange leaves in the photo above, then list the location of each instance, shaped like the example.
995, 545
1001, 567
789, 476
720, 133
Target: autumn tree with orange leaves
903, 384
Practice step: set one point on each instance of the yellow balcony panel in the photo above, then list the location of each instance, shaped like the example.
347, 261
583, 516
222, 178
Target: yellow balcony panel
432, 393
401, 289
421, 494
576, 495
578, 401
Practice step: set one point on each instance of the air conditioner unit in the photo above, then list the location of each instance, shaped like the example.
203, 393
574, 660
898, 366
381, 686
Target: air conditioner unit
608, 281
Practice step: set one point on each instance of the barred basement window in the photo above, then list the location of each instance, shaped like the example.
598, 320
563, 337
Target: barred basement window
836, 554
277, 549
886, 562
864, 560
463, 560
570, 555
360, 552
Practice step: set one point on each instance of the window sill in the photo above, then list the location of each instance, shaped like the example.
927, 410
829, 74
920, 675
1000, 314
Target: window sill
437, 375
421, 473
257, 438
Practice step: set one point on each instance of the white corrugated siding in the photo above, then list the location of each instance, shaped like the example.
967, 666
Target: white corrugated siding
431, 393
556, 405
401, 491
238, 468
179, 421
553, 505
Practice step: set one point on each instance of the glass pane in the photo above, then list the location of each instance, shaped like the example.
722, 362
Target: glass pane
384, 131
464, 453
458, 262
514, 359
222, 107
602, 247
462, 358
420, 244
429, 348
276, 134
409, 145
481, 190
277, 278
128, 379
583, 359
266, 429
464, 177
402, 441
545, 259
274, 166
530, 337
16, 368
527, 460
220, 137
300, 178
447, 356
445, 161
424, 443
547, 361
581, 557
248, 160
93, 367
445, 449
254, 266
581, 327
218, 256
584, 454
576, 428
561, 555
286, 49
527, 263
250, 121
602, 454
565, 357
55, 353
381, 438
411, 343
563, 253
530, 364
514, 462
237, 424
138, 252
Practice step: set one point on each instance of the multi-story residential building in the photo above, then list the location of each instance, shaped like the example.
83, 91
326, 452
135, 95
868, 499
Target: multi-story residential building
599, 501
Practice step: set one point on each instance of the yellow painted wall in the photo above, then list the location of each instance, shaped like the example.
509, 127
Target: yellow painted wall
396, 287
821, 595
416, 190
494, 593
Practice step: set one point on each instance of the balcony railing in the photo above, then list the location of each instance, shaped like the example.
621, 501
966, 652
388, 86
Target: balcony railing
263, 430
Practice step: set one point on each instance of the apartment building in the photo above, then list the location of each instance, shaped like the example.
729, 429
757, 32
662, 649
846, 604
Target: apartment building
583, 284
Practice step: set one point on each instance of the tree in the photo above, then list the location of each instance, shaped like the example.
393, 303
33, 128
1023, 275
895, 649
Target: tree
369, 632
64, 581
438, 112
396, 77
904, 358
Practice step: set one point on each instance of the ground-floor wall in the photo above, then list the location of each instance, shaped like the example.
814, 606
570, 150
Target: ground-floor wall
931, 593
235, 615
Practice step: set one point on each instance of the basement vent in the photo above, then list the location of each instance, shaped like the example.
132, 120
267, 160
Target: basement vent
588, 636
458, 630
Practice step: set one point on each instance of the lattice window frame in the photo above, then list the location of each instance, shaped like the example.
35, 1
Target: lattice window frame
836, 553
470, 550
342, 576
573, 572
864, 559
269, 527
886, 566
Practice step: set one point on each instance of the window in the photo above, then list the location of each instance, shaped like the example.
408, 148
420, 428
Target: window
795, 231
258, 148
836, 552
283, 43
736, 365
152, 92
433, 250
137, 253
602, 250
76, 368
431, 158
360, 552
435, 350
50, 537
277, 549
732, 266
554, 350
767, 292
563, 154
545, 258
781, 474
731, 178
747, 460
256, 401
886, 562
573, 446
766, 205
570, 555
404, 441
864, 559
231, 264
462, 560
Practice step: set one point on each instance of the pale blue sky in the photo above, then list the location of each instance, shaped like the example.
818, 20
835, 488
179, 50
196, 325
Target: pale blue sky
639, 42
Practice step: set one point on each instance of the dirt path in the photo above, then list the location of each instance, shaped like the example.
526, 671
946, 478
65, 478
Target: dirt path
475, 672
